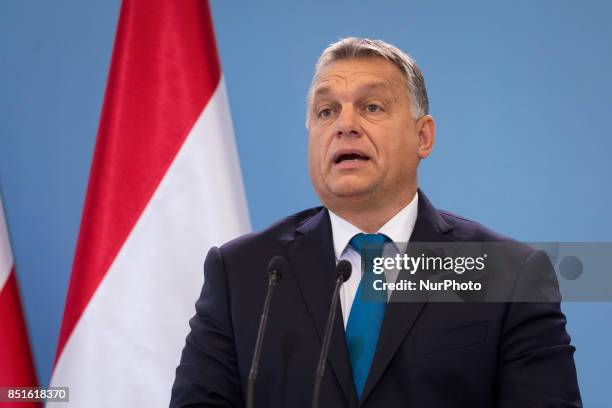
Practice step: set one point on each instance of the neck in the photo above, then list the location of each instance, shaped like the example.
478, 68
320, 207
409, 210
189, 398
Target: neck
370, 218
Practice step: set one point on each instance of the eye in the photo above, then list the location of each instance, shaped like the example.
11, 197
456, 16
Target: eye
324, 113
373, 108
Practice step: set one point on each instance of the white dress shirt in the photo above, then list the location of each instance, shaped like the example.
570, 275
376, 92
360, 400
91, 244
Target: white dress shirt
398, 229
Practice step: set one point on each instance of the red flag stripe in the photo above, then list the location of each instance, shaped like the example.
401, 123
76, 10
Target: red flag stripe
16, 369
141, 105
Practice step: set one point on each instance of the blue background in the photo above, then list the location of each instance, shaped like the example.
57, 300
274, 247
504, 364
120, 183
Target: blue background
521, 92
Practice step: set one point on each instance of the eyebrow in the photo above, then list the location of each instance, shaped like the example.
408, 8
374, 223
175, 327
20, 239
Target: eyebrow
372, 86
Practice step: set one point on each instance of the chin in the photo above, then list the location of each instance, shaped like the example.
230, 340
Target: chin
347, 190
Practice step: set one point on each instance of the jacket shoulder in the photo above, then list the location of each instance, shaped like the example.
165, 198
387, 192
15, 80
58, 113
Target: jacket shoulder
280, 231
465, 229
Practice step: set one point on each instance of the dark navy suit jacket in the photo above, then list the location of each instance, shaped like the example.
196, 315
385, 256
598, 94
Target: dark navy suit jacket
429, 354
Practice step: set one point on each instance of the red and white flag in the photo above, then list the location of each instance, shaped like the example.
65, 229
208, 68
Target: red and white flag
16, 364
165, 185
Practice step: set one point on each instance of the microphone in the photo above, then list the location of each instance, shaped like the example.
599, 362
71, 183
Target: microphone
276, 267
343, 273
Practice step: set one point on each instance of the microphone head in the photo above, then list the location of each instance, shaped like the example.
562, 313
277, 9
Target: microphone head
277, 266
343, 270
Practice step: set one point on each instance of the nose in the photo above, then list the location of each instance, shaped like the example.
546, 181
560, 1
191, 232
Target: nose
347, 123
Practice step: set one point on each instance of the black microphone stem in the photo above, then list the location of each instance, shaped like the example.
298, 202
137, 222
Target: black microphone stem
326, 340
260, 335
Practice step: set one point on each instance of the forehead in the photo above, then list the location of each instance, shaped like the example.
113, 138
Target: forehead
358, 73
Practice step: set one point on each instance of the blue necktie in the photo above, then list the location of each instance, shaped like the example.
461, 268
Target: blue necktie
367, 314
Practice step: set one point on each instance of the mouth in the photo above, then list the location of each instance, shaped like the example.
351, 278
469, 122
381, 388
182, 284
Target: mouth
349, 156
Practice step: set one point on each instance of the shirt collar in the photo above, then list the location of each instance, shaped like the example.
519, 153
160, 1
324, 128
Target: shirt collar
398, 228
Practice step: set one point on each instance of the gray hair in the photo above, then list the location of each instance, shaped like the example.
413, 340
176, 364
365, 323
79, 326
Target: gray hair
353, 47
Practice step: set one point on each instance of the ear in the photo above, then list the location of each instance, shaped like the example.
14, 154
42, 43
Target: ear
426, 131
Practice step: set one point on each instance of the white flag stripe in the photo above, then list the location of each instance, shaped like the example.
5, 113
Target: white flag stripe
6, 256
127, 343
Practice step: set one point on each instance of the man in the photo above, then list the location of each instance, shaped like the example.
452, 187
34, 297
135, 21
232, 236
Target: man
368, 129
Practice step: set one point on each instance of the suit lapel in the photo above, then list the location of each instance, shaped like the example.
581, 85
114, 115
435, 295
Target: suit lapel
313, 260
401, 315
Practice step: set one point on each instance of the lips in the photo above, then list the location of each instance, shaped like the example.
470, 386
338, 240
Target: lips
349, 155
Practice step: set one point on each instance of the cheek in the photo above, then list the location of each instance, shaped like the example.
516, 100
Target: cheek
315, 152
407, 153
318, 146
400, 151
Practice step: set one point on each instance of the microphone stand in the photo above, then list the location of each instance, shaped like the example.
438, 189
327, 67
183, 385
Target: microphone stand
343, 272
275, 269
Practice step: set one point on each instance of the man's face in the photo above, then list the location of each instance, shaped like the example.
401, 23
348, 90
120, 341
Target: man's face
363, 143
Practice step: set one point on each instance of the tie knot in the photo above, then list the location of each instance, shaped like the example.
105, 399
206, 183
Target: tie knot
360, 241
